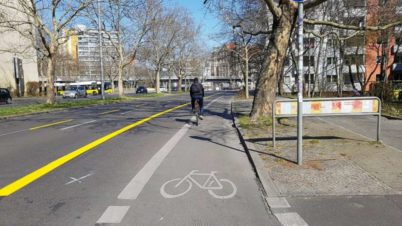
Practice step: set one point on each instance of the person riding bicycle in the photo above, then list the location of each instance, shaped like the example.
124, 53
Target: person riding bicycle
197, 93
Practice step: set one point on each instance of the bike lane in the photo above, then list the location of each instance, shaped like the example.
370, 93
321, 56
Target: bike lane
203, 178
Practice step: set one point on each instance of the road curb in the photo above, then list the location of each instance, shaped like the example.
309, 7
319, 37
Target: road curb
391, 117
257, 162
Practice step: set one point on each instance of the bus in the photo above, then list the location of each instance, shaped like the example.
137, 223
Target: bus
94, 87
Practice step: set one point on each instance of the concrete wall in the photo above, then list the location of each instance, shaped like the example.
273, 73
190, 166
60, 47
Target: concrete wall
12, 44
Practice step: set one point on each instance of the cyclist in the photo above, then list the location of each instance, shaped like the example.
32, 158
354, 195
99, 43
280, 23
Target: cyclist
197, 93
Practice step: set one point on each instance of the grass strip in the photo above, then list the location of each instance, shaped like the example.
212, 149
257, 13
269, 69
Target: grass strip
38, 108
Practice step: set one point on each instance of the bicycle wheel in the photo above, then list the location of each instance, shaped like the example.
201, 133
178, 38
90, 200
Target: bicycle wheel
197, 112
222, 193
175, 191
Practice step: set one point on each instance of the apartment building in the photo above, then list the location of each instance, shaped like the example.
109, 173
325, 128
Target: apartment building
344, 61
83, 47
222, 69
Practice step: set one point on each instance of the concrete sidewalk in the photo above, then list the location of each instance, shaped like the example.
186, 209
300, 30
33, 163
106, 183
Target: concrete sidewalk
336, 163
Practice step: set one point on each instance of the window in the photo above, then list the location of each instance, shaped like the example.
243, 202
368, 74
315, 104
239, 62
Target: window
307, 78
332, 78
331, 42
309, 43
331, 60
308, 61
354, 59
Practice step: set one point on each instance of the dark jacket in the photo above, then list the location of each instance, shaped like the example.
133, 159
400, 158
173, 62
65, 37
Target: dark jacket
196, 90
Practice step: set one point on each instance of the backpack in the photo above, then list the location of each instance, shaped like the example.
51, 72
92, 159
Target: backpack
195, 89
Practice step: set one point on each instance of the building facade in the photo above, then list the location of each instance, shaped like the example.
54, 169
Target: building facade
344, 60
18, 62
82, 47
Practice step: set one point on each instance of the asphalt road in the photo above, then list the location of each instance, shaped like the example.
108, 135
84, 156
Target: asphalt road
390, 130
107, 165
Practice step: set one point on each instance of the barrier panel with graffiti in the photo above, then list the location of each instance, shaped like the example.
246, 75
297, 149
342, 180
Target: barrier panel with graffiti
328, 107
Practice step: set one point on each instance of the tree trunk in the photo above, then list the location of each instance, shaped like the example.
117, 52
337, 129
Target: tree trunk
180, 83
51, 68
246, 74
267, 81
157, 82
120, 81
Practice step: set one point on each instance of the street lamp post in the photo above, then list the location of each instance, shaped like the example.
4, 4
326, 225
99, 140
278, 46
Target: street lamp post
300, 84
100, 52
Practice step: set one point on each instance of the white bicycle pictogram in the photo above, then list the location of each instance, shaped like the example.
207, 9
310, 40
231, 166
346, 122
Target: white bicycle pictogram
180, 186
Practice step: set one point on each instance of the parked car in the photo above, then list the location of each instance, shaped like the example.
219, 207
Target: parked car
5, 96
141, 89
75, 92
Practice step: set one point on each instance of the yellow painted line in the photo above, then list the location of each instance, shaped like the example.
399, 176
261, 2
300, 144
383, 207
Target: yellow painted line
107, 112
26, 180
51, 124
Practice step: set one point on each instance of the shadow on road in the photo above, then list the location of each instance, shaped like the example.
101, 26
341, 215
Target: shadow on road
210, 140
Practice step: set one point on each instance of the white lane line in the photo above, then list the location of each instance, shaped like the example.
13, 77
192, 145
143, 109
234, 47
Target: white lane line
135, 186
290, 219
278, 202
69, 127
5, 134
113, 215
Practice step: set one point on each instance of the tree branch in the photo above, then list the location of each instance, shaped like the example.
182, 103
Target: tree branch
275, 10
351, 27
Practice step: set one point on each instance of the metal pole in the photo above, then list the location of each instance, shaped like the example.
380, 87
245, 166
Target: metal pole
379, 121
300, 87
100, 51
273, 126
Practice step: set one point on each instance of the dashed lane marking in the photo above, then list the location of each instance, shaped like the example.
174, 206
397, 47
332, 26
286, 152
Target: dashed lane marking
51, 124
107, 112
113, 215
290, 219
84, 123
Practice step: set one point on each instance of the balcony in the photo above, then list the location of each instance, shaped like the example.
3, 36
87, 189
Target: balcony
353, 68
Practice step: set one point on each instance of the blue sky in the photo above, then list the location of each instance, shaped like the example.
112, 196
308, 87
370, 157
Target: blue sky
210, 24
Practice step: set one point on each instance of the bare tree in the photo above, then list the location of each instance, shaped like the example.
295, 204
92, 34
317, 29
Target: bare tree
42, 22
185, 48
284, 14
165, 30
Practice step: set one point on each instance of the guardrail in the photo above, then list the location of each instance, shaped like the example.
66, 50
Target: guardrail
327, 107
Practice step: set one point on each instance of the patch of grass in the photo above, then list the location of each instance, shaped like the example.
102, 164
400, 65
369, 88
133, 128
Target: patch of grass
393, 109
262, 123
244, 121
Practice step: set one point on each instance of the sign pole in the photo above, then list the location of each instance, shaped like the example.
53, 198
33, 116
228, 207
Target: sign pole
101, 52
300, 85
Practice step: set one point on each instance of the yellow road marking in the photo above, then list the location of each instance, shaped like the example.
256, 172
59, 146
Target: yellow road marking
107, 112
51, 124
26, 180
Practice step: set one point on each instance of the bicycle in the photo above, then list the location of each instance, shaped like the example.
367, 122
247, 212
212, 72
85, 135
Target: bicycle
197, 111
171, 189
